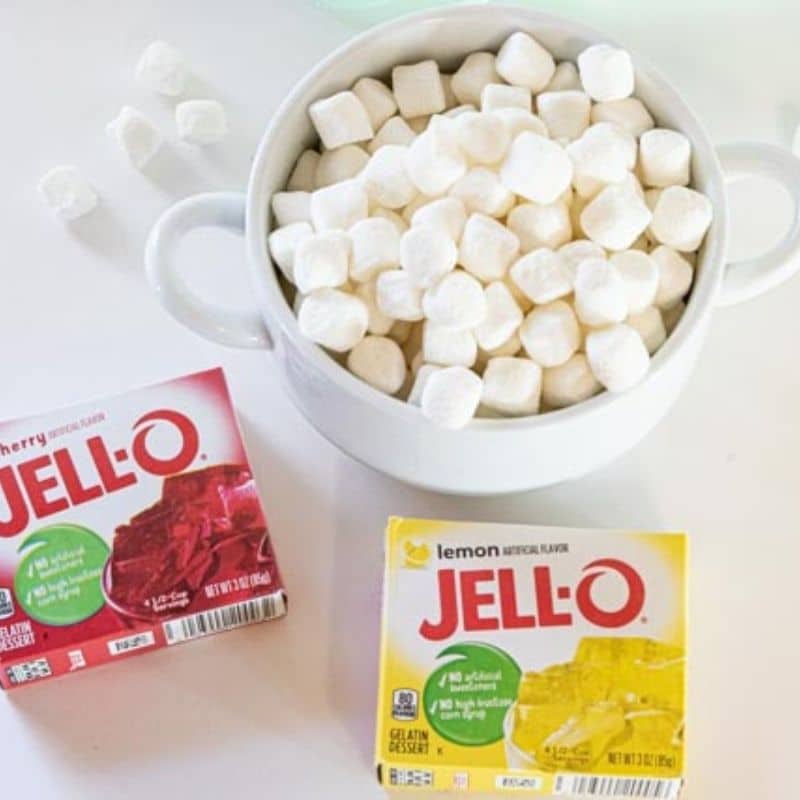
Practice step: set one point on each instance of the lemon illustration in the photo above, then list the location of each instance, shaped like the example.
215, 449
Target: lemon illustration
417, 555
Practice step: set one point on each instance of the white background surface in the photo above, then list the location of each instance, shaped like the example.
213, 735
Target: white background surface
286, 710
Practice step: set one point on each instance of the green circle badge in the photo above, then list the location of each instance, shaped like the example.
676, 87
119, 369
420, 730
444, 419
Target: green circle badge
467, 698
58, 582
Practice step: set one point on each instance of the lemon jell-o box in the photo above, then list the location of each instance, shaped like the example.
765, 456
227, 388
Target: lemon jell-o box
535, 660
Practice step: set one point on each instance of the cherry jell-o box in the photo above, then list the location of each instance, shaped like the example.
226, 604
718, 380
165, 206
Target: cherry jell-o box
127, 525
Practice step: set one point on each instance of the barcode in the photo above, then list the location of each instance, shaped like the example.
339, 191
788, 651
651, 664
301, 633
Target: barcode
128, 643
525, 783
224, 618
613, 787
29, 671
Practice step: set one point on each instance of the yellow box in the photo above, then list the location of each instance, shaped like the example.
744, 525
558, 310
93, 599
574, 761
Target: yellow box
535, 660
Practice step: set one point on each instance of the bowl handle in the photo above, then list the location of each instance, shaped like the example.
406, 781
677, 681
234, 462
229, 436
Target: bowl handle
235, 328
747, 279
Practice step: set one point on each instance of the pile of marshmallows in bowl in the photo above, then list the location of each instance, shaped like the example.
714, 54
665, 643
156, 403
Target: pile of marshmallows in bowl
461, 252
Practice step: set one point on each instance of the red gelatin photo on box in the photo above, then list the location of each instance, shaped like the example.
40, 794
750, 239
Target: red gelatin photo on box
127, 525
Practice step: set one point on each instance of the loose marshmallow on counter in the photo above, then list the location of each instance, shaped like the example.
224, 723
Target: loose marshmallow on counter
542, 275
375, 247
435, 161
377, 99
67, 193
536, 168
484, 137
665, 158
640, 278
427, 254
496, 96
377, 322
503, 317
289, 207
487, 248
616, 217
617, 357
394, 131
386, 213
457, 301
283, 244
418, 89
566, 113
397, 296
304, 174
340, 164
340, 119
512, 385
518, 120
550, 334
420, 380
162, 69
650, 326
378, 361
675, 275
476, 71
681, 218
481, 191
447, 213
606, 72
321, 261
538, 225
333, 318
600, 296
451, 396
522, 61
201, 122
569, 383
629, 113
385, 178
339, 206
448, 347
605, 153
136, 136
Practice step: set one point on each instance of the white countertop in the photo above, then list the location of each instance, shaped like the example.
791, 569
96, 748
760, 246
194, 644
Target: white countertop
285, 710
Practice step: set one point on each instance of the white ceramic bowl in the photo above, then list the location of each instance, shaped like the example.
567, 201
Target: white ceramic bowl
489, 456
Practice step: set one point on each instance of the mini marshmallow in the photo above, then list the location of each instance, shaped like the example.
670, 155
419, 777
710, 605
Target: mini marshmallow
397, 296
542, 275
448, 347
304, 174
283, 244
675, 275
421, 377
339, 165
569, 383
418, 89
339, 206
650, 326
162, 69
435, 161
503, 317
500, 95
321, 261
600, 296
394, 131
456, 302
536, 168
476, 71
616, 217
672, 316
67, 193
629, 114
606, 72
289, 207
136, 135
522, 61
510, 347
481, 191
484, 137
487, 248
577, 251
565, 78
617, 357
447, 213
379, 362
201, 122
340, 119
377, 322
377, 99
386, 213
681, 218
385, 178
452, 113
512, 386
539, 225
605, 153
550, 334
427, 255
333, 318
375, 247
640, 278
518, 120
566, 114
418, 202
665, 158
451, 397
